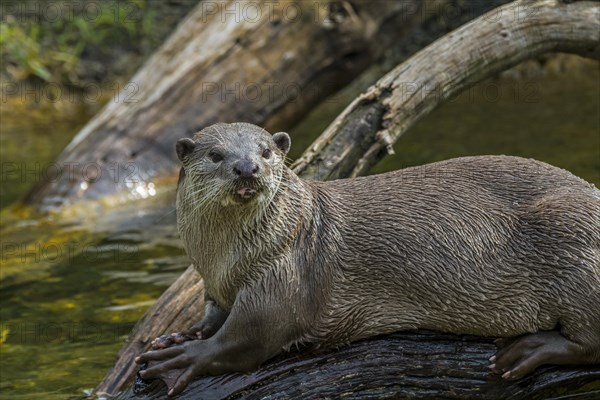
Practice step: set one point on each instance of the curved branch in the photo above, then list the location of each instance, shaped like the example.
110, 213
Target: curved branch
502, 38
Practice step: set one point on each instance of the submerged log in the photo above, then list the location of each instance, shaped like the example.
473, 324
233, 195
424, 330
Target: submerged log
265, 62
431, 366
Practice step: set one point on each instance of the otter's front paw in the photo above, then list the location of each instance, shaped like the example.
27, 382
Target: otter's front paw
142, 385
176, 366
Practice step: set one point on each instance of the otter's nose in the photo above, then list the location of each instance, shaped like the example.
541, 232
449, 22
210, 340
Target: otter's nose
246, 169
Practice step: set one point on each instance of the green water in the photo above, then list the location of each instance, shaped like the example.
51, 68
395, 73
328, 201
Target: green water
71, 293
72, 286
31, 137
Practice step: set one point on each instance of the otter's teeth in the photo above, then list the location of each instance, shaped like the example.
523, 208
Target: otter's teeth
246, 192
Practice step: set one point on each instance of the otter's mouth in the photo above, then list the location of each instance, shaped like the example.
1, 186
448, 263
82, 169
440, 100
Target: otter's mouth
246, 193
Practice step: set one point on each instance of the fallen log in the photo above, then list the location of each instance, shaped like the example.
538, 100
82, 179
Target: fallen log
265, 62
397, 366
365, 132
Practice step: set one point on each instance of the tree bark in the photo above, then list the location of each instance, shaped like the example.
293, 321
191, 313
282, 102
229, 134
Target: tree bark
402, 365
265, 62
432, 366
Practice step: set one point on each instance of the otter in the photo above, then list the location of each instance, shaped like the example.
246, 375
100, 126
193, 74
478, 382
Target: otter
493, 246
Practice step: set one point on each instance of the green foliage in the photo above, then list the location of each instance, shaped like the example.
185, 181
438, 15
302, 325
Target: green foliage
21, 51
32, 46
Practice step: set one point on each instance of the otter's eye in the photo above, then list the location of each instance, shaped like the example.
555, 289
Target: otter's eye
267, 153
215, 157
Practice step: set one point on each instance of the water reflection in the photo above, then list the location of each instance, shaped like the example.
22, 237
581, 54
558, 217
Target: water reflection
74, 285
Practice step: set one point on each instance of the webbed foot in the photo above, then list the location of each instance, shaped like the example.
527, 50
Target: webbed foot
518, 357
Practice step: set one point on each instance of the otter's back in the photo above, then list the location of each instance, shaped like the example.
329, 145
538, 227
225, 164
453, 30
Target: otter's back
454, 236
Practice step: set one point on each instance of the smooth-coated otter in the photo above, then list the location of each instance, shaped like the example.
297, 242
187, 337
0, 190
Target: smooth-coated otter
493, 246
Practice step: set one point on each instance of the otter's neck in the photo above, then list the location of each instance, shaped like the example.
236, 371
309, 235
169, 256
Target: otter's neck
232, 244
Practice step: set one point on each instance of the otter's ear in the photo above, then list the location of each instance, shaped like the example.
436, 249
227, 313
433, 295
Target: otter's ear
283, 141
184, 147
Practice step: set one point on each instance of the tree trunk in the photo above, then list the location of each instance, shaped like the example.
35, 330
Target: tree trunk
265, 62
400, 365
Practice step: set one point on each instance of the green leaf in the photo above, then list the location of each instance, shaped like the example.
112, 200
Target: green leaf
39, 70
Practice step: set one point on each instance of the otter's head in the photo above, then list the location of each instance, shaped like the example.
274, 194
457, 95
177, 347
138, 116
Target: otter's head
231, 165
